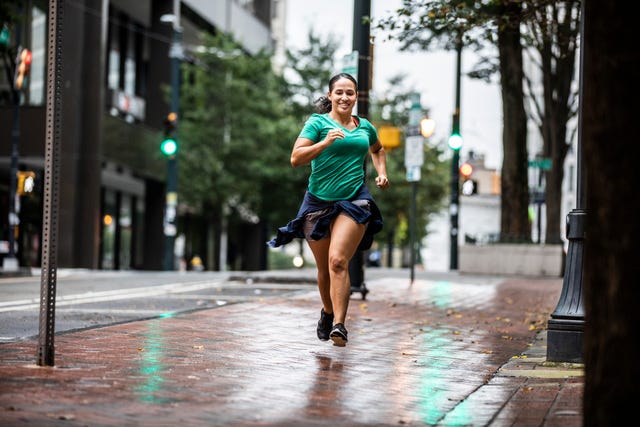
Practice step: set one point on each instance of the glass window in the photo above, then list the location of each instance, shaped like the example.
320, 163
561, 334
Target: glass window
37, 82
125, 221
130, 66
108, 230
113, 70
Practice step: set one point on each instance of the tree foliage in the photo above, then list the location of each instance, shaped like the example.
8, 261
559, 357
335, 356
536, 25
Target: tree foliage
235, 135
474, 23
392, 108
549, 32
553, 34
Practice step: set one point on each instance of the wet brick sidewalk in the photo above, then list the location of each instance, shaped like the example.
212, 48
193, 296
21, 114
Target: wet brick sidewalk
450, 351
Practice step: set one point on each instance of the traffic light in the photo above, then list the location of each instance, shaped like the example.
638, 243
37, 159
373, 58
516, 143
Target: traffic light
26, 182
455, 141
5, 35
23, 66
169, 145
469, 186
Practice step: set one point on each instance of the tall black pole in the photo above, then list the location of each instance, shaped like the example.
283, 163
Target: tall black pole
566, 326
361, 44
454, 206
171, 205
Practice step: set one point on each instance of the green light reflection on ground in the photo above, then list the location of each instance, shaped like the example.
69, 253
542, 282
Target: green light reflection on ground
151, 366
441, 294
435, 346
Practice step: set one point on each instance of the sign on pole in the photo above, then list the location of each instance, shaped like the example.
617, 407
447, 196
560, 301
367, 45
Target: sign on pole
413, 173
350, 64
413, 151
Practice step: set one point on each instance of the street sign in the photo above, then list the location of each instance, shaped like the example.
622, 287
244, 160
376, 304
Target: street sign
350, 63
413, 130
413, 174
542, 163
413, 152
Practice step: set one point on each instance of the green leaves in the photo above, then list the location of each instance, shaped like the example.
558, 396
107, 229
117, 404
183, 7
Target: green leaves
237, 129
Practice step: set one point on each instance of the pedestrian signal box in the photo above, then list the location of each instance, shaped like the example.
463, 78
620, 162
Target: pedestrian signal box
26, 182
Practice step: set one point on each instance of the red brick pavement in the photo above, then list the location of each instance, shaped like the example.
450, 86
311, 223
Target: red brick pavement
438, 352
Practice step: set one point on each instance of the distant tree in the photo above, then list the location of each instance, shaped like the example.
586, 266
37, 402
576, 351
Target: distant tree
422, 25
553, 32
309, 69
392, 108
235, 131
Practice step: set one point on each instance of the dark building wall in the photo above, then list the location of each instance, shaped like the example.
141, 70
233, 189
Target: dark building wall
85, 244
159, 74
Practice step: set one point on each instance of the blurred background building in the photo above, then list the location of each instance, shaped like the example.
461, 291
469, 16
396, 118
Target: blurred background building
116, 70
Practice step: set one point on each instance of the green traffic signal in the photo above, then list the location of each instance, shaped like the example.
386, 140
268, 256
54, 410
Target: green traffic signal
169, 147
455, 141
4, 37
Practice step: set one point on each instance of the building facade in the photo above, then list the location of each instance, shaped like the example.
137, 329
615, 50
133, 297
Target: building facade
116, 72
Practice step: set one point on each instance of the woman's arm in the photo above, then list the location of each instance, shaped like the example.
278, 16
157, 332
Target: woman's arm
379, 158
305, 150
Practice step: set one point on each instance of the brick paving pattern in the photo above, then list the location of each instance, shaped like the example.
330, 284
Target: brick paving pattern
461, 352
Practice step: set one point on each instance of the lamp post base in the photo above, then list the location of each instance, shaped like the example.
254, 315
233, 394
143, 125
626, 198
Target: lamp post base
564, 340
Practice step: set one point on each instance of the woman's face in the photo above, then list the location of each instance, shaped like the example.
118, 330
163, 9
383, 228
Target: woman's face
343, 96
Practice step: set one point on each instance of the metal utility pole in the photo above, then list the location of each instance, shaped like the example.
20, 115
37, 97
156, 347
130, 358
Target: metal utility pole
171, 206
362, 45
566, 326
455, 142
53, 137
413, 161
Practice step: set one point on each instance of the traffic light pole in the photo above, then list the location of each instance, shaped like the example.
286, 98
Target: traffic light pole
454, 206
10, 262
171, 204
361, 44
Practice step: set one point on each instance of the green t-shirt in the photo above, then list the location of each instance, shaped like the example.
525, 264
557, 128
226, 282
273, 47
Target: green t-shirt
338, 172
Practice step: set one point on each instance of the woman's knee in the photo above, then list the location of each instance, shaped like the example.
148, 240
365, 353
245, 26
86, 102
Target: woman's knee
338, 263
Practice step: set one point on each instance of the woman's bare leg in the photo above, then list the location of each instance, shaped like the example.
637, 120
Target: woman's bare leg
345, 238
320, 249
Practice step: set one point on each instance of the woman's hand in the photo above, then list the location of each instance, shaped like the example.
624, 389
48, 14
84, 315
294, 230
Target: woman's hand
334, 134
382, 182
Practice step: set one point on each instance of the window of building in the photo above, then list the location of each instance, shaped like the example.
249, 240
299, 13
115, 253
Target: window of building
37, 80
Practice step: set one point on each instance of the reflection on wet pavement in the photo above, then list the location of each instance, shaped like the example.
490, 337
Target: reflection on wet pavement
421, 354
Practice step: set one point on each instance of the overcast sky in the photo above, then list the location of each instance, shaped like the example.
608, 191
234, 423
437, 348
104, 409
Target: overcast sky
432, 74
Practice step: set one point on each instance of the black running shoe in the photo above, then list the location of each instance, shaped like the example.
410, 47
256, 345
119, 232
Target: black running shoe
338, 335
324, 325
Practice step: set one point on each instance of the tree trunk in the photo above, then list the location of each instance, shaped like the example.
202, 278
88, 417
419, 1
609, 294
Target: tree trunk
557, 50
611, 267
514, 222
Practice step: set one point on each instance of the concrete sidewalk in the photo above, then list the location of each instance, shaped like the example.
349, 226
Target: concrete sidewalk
446, 350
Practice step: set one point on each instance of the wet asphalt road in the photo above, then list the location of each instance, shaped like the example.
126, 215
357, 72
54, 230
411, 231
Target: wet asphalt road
86, 299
